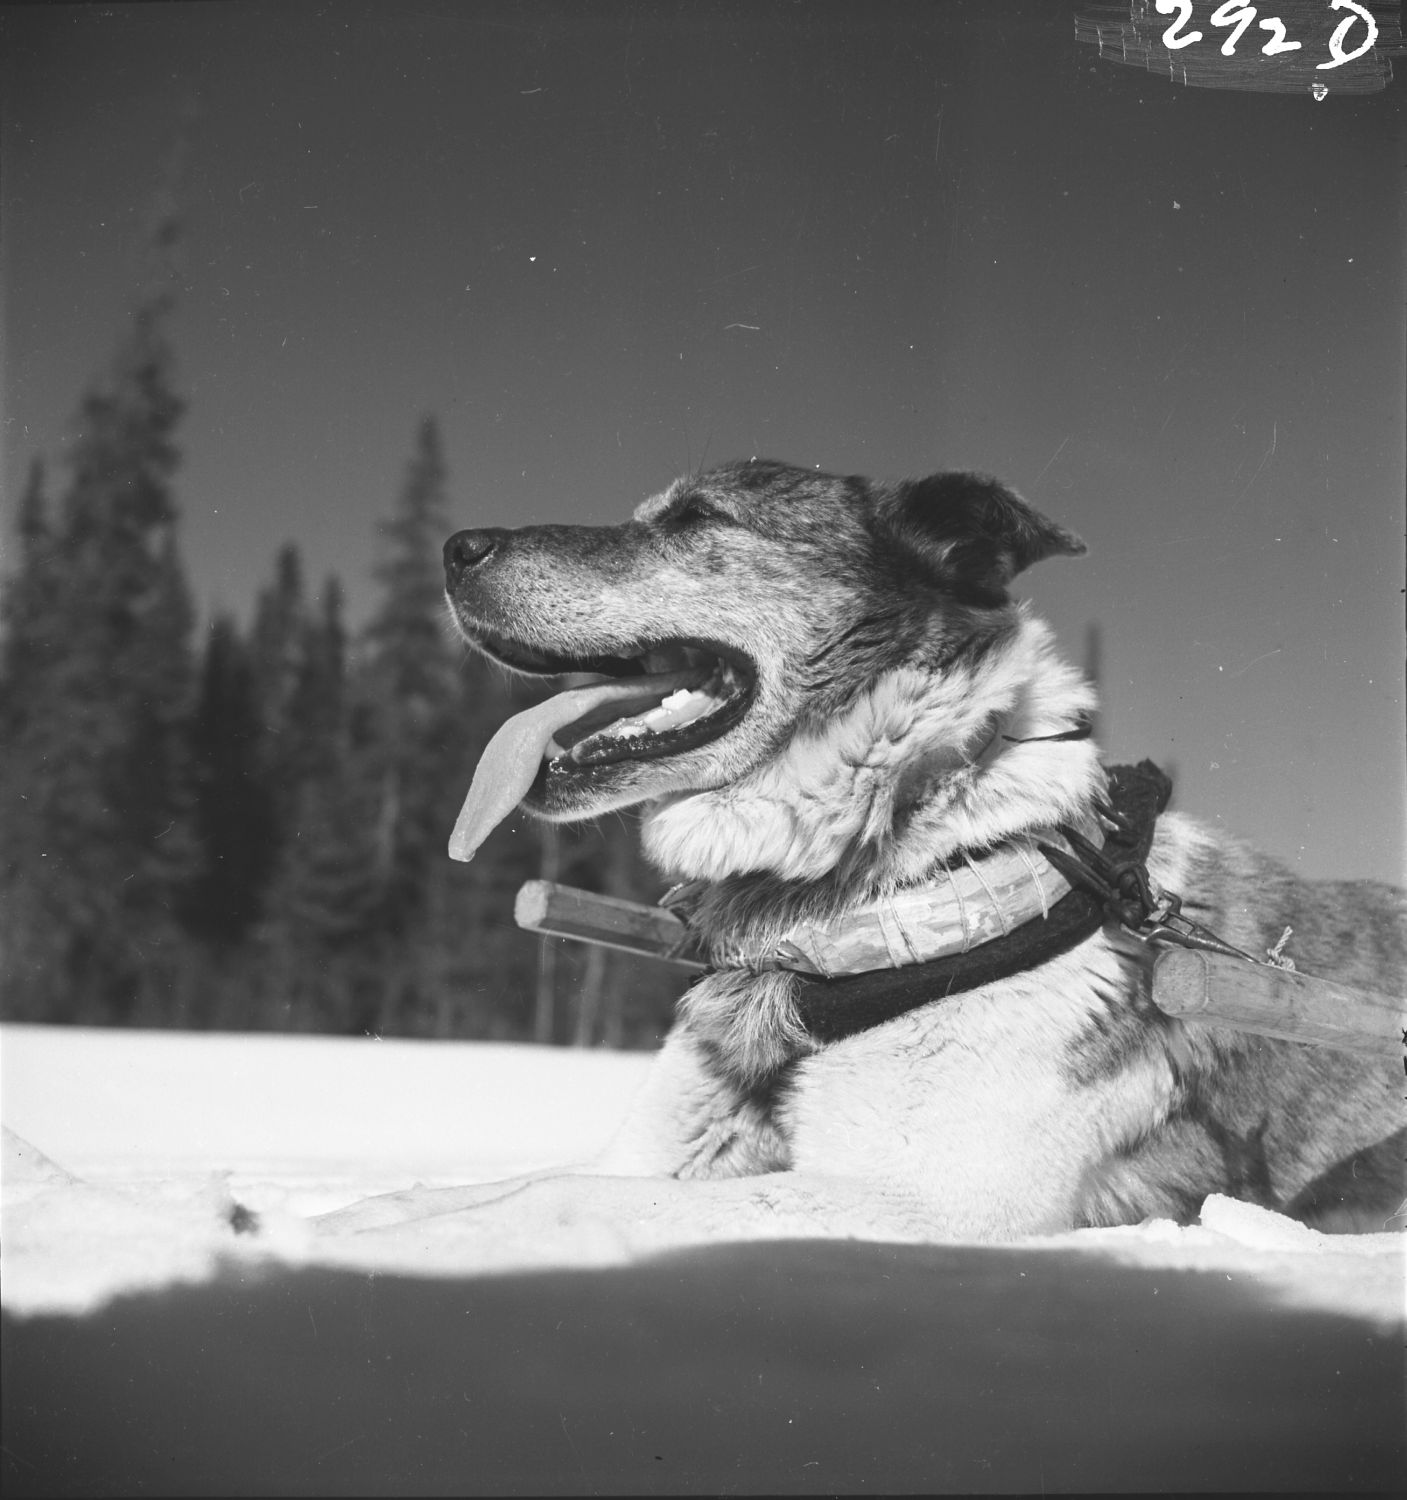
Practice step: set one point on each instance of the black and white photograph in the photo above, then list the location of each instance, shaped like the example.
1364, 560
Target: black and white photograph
703, 785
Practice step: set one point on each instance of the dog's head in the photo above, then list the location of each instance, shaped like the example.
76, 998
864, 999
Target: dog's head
735, 609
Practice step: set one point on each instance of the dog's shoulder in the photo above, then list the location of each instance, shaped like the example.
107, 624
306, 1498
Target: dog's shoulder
1354, 930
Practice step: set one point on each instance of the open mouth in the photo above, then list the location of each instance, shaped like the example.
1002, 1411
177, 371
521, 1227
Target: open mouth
668, 698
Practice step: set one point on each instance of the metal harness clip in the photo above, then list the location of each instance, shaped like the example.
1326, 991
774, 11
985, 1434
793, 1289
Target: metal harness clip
1128, 896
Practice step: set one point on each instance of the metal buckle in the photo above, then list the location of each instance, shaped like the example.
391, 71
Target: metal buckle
1120, 886
1127, 894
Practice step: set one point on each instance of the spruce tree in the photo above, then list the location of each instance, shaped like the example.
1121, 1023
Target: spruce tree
322, 952
318, 939
234, 813
28, 618
453, 963
32, 633
316, 730
414, 695
276, 642
97, 678
298, 668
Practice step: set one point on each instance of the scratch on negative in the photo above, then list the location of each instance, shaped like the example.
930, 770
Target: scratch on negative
1050, 461
753, 327
1264, 656
571, 1442
1264, 459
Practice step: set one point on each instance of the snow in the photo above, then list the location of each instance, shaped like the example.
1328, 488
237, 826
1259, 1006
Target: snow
165, 1130
150, 1350
130, 1150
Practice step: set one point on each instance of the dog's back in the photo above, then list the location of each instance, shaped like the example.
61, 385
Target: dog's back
1310, 1131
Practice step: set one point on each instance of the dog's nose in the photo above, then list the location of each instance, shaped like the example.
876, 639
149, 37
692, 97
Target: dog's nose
466, 550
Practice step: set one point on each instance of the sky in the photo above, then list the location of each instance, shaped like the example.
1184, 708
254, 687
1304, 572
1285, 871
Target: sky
605, 243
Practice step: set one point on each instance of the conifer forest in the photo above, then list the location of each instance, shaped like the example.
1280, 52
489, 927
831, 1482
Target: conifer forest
205, 824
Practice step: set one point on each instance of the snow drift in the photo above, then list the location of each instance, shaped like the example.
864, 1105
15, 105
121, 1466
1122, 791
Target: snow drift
1243, 1352
134, 1147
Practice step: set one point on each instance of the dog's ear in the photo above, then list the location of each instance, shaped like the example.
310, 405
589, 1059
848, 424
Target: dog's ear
970, 533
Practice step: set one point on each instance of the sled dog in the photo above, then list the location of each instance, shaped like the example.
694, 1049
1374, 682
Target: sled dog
824, 701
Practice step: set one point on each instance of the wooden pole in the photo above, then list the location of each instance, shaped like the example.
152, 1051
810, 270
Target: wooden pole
1195, 985
545, 997
1188, 983
564, 911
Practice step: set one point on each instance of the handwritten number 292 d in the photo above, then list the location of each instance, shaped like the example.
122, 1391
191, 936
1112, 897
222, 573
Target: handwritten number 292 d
1234, 14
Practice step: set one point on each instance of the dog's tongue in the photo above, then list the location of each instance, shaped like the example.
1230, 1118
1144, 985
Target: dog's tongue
510, 760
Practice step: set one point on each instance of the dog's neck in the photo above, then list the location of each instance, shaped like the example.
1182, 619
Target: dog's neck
916, 772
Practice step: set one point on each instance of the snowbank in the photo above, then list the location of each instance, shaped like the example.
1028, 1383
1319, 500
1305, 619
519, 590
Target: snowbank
147, 1141
147, 1350
127, 1150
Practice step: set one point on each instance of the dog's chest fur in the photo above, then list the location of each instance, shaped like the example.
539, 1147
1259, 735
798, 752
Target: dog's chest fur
979, 1098
1055, 1098
985, 1102
981, 1104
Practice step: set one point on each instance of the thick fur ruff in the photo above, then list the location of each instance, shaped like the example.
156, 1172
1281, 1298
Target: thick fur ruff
890, 725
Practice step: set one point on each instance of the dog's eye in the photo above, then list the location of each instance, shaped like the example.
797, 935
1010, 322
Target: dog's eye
695, 511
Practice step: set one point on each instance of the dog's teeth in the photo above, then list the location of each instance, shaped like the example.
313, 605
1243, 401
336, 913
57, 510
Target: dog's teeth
679, 708
511, 759
670, 707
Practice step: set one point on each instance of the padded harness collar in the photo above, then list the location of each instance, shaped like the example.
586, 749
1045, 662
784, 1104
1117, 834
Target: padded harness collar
832, 1008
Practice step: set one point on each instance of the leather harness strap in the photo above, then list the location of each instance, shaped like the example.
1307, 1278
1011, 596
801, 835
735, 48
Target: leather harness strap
834, 1008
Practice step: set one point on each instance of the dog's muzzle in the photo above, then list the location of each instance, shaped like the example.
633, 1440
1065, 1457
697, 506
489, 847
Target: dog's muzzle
652, 700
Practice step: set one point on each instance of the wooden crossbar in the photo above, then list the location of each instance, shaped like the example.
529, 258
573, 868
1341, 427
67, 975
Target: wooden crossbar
1187, 983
